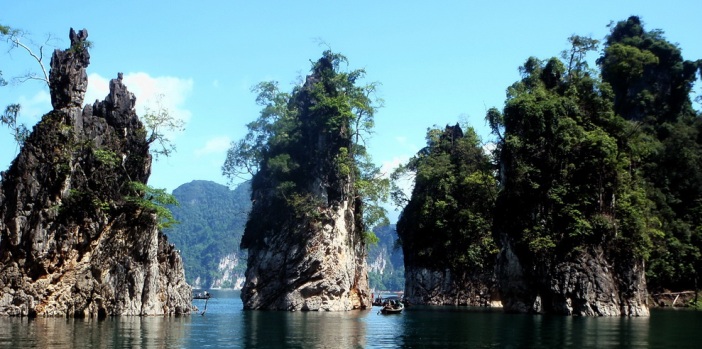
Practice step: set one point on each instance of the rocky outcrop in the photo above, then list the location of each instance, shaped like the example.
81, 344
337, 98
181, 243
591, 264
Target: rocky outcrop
386, 267
229, 276
306, 248
379, 263
309, 268
442, 287
584, 284
75, 240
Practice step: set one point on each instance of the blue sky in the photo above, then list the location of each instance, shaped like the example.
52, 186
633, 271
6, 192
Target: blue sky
439, 62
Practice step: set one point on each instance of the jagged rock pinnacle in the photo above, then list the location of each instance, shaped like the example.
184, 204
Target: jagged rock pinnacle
68, 79
72, 242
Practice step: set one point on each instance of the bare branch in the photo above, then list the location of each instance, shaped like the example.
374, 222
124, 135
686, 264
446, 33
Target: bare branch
14, 39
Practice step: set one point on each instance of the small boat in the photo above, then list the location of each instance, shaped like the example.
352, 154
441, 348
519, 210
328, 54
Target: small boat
392, 307
205, 295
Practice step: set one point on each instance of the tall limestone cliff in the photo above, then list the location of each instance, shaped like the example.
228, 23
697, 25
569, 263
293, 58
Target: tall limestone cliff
445, 226
306, 248
572, 217
75, 241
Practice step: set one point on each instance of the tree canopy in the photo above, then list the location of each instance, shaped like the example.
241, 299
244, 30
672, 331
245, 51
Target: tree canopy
447, 221
566, 171
306, 140
652, 85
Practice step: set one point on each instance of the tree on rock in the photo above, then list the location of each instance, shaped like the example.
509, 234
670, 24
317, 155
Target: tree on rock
445, 228
572, 217
652, 84
311, 184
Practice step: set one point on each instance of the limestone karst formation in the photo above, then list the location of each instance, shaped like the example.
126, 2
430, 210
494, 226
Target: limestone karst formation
74, 240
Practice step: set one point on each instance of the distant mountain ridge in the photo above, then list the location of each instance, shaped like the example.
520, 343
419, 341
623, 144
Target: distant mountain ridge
212, 219
386, 266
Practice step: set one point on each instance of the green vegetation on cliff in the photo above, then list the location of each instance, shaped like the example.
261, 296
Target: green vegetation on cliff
585, 164
307, 151
614, 162
567, 171
446, 222
652, 84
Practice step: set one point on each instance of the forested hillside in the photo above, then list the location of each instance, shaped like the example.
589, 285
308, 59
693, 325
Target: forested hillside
212, 219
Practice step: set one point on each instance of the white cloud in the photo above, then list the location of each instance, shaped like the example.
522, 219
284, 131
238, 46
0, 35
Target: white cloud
34, 107
388, 166
218, 144
152, 93
98, 88
489, 147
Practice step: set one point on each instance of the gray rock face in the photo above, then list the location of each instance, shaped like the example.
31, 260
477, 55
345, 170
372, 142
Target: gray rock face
72, 241
586, 284
441, 287
309, 268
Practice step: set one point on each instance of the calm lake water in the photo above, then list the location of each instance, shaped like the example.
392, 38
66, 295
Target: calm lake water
226, 325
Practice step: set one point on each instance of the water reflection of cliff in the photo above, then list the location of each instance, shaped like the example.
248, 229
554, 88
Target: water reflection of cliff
481, 327
118, 332
226, 325
304, 329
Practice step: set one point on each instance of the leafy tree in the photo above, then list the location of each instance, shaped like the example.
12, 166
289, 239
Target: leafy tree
580, 46
245, 156
647, 73
154, 200
9, 118
160, 123
447, 221
316, 133
18, 38
652, 84
566, 172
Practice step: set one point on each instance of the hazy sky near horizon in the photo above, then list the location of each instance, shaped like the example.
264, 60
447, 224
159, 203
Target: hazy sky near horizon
438, 63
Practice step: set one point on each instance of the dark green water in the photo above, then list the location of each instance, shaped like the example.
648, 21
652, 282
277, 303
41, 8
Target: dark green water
225, 325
